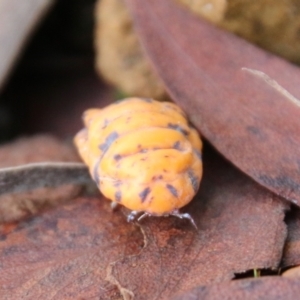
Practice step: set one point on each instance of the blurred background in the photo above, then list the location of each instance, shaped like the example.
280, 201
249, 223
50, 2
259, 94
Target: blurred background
52, 78
58, 58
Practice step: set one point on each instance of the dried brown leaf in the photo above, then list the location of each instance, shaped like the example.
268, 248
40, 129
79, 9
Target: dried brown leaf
47, 174
267, 288
63, 254
39, 148
82, 249
240, 227
243, 100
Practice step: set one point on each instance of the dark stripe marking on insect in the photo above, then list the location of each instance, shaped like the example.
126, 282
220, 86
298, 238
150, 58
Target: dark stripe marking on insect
177, 145
194, 180
178, 128
198, 153
117, 157
118, 196
106, 122
172, 189
117, 183
108, 141
158, 177
143, 195
96, 176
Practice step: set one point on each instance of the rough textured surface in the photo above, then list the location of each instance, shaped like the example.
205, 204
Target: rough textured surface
64, 254
44, 174
17, 20
34, 149
247, 107
271, 24
212, 10
82, 249
268, 288
119, 56
120, 59
240, 227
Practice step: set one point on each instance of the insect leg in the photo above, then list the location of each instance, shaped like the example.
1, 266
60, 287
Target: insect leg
132, 216
114, 205
187, 216
144, 215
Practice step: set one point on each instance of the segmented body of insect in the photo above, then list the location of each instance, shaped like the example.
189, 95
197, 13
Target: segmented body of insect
142, 154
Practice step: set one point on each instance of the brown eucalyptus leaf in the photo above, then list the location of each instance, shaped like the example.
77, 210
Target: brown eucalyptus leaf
35, 149
267, 288
17, 21
241, 98
291, 253
240, 227
40, 175
82, 249
64, 254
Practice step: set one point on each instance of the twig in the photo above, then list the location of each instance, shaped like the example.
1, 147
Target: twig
46, 174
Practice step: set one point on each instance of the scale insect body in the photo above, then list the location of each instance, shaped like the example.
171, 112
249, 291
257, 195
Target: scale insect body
142, 154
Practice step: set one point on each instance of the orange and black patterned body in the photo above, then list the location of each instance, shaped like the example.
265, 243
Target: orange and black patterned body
143, 154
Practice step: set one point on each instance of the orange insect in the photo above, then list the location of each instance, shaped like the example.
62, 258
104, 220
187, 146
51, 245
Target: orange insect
144, 155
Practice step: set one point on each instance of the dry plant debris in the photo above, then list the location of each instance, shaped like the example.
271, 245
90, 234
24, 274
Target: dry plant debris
83, 249
268, 288
39, 148
242, 99
271, 24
